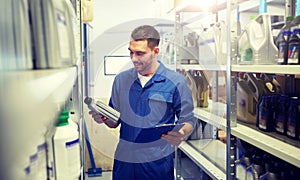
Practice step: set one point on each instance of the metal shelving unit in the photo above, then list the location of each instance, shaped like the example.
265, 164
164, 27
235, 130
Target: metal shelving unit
199, 151
220, 168
273, 69
267, 143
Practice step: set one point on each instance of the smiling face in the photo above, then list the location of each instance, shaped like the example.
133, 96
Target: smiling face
143, 57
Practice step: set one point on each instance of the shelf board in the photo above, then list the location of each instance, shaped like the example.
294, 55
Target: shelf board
41, 84
190, 6
273, 69
209, 155
209, 117
267, 143
31, 101
208, 67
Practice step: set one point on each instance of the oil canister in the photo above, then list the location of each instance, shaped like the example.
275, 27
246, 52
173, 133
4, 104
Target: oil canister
201, 81
256, 44
249, 90
192, 86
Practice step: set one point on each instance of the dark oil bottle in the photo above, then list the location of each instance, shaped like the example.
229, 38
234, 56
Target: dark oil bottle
265, 114
292, 125
281, 114
294, 48
283, 44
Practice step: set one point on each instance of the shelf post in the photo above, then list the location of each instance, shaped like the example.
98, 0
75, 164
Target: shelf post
230, 97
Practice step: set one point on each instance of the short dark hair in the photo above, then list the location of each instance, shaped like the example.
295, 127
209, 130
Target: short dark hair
146, 32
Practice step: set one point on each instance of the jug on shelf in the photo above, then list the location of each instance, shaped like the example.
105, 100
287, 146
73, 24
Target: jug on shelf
256, 43
249, 90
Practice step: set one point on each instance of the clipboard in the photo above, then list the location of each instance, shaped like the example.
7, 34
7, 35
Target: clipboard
152, 134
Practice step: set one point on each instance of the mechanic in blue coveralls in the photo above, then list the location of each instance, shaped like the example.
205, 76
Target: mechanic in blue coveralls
147, 95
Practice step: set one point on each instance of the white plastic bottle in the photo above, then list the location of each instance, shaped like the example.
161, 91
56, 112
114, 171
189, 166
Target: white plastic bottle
70, 119
66, 151
41, 155
50, 154
33, 162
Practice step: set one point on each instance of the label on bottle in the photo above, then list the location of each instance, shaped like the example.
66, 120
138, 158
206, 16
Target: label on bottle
279, 123
73, 151
291, 128
281, 50
262, 120
293, 53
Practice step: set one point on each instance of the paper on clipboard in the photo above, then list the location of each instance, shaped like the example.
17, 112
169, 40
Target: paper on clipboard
152, 134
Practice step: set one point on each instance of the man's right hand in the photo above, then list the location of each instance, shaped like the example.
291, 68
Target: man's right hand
99, 118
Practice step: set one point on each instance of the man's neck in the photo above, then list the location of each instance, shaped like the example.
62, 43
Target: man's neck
153, 70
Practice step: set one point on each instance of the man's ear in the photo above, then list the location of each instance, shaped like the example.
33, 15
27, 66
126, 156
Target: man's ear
156, 50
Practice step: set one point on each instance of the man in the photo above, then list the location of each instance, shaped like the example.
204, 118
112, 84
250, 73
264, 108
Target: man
147, 95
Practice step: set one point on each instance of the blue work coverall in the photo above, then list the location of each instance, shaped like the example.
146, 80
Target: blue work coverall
163, 97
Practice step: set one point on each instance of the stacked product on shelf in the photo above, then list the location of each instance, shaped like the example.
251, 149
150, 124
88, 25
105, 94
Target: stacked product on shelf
256, 164
15, 51
53, 29
189, 51
212, 45
249, 91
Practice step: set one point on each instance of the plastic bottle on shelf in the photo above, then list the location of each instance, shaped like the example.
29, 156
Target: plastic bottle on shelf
66, 151
285, 27
235, 34
294, 48
41, 154
22, 169
281, 114
241, 166
256, 168
296, 20
221, 44
33, 163
292, 125
256, 44
245, 51
247, 97
265, 120
207, 45
50, 154
70, 120
273, 171
283, 44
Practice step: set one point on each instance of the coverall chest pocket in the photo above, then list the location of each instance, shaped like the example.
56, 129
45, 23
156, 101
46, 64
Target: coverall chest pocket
160, 103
